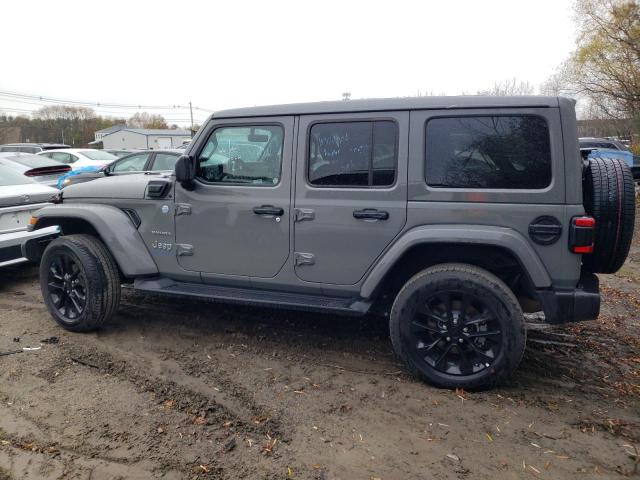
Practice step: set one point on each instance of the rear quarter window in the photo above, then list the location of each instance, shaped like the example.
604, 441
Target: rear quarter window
488, 152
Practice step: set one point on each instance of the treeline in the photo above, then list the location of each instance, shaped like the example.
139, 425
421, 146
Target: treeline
604, 69
72, 125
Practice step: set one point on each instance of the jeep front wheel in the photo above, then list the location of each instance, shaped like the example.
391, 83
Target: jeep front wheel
458, 326
80, 282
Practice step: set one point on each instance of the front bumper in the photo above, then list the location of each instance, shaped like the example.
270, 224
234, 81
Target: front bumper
579, 304
13, 245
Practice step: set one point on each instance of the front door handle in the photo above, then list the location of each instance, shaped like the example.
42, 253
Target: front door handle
370, 214
268, 210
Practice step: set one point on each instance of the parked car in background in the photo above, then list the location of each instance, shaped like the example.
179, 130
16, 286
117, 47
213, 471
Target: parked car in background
607, 143
119, 153
20, 197
80, 157
606, 148
145, 161
40, 169
30, 147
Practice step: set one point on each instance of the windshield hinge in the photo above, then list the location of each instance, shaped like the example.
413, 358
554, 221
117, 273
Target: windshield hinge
183, 209
184, 250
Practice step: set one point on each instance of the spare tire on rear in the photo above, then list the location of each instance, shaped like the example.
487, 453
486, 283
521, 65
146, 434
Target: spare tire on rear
609, 197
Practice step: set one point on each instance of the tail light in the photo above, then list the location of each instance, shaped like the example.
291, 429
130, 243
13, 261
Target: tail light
581, 234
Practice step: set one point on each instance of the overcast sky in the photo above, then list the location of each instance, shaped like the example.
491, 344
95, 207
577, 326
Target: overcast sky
243, 53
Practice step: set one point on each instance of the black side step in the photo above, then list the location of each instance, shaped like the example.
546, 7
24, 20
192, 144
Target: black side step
246, 296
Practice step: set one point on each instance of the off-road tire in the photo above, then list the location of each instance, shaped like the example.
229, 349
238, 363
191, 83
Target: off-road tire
102, 281
609, 197
474, 281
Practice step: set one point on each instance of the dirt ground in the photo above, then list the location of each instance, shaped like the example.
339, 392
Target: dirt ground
184, 389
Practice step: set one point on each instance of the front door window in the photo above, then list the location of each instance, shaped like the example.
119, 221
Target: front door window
247, 155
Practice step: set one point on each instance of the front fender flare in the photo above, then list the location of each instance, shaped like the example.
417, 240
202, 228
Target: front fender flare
117, 232
460, 234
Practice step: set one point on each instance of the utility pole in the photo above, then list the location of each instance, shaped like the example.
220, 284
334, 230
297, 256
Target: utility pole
191, 110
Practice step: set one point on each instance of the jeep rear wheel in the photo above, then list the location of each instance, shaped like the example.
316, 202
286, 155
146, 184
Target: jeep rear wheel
458, 326
80, 282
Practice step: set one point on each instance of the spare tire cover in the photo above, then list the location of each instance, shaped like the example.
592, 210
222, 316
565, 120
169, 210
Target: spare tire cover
609, 197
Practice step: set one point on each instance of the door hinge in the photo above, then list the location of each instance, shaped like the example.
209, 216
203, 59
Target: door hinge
304, 214
183, 209
302, 258
184, 250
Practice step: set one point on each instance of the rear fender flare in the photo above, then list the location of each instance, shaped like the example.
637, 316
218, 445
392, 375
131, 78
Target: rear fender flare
506, 238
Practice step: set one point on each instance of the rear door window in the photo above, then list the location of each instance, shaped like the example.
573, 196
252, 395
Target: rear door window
353, 154
488, 152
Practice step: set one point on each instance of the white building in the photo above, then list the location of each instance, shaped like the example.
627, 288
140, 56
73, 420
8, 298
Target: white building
106, 131
142, 138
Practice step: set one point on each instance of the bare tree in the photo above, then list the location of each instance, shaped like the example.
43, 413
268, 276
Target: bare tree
147, 120
508, 88
605, 67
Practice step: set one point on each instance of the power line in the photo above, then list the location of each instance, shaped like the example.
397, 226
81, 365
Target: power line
43, 98
44, 104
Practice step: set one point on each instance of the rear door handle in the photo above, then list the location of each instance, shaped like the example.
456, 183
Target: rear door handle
370, 214
268, 210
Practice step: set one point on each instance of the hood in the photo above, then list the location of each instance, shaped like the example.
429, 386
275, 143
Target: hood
15, 195
605, 153
131, 186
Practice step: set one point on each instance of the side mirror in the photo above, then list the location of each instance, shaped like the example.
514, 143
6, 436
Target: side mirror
186, 171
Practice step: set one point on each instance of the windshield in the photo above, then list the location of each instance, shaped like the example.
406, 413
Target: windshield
97, 155
8, 176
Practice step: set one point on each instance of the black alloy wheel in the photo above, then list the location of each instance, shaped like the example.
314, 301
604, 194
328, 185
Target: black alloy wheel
67, 286
457, 325
456, 333
80, 282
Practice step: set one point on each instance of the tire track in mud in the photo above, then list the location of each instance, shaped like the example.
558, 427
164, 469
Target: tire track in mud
37, 437
224, 423
302, 344
187, 397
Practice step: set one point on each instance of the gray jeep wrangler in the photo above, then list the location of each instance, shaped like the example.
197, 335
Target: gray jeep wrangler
450, 215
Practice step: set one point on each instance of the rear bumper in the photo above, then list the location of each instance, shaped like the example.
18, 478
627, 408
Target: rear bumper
12, 245
579, 304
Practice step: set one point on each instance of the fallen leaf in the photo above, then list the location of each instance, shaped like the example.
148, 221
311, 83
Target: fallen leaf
199, 421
